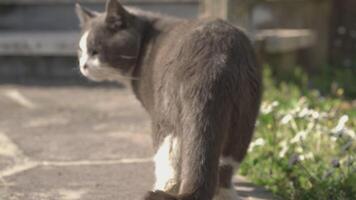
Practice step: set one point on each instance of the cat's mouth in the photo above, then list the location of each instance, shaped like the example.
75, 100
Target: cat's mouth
98, 73
103, 73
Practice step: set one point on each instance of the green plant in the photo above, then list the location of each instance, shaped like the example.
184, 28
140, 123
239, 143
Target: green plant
336, 81
304, 147
330, 81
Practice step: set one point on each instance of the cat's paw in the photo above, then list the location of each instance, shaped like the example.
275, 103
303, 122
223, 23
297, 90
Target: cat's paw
159, 195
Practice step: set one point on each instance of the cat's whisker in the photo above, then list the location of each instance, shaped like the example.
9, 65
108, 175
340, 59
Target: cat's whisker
127, 57
75, 69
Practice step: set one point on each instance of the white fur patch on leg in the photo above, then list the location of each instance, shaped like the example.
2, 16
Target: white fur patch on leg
226, 194
166, 164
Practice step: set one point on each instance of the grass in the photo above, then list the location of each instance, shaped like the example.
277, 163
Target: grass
304, 146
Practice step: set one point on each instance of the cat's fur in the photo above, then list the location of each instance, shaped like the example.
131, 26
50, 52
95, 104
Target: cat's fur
198, 80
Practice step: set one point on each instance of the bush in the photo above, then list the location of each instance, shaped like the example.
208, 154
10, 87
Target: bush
304, 144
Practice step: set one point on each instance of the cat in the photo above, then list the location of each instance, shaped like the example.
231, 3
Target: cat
200, 82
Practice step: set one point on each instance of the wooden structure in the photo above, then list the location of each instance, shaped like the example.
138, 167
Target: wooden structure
343, 34
42, 33
290, 26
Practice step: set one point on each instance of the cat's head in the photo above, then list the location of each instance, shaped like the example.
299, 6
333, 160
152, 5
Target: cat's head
110, 42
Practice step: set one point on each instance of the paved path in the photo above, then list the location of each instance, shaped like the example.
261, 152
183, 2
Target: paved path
77, 143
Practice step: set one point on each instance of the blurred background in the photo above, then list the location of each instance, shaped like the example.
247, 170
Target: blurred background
64, 137
38, 38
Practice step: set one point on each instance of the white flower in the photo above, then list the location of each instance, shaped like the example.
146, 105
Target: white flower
309, 155
299, 150
275, 103
350, 133
340, 125
268, 108
310, 126
284, 149
259, 142
301, 157
256, 143
304, 112
315, 114
301, 135
287, 118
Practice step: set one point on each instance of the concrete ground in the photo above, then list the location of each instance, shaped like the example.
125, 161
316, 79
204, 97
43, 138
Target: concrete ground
77, 143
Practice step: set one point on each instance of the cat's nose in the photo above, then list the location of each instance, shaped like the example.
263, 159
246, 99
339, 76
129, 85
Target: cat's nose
85, 66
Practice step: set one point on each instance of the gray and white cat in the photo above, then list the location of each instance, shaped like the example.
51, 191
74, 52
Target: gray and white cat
198, 80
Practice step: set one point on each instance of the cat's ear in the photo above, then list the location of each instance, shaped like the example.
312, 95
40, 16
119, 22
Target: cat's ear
116, 15
84, 14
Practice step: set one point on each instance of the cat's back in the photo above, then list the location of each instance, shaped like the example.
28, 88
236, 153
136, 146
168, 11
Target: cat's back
207, 57
208, 46
197, 34
209, 30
